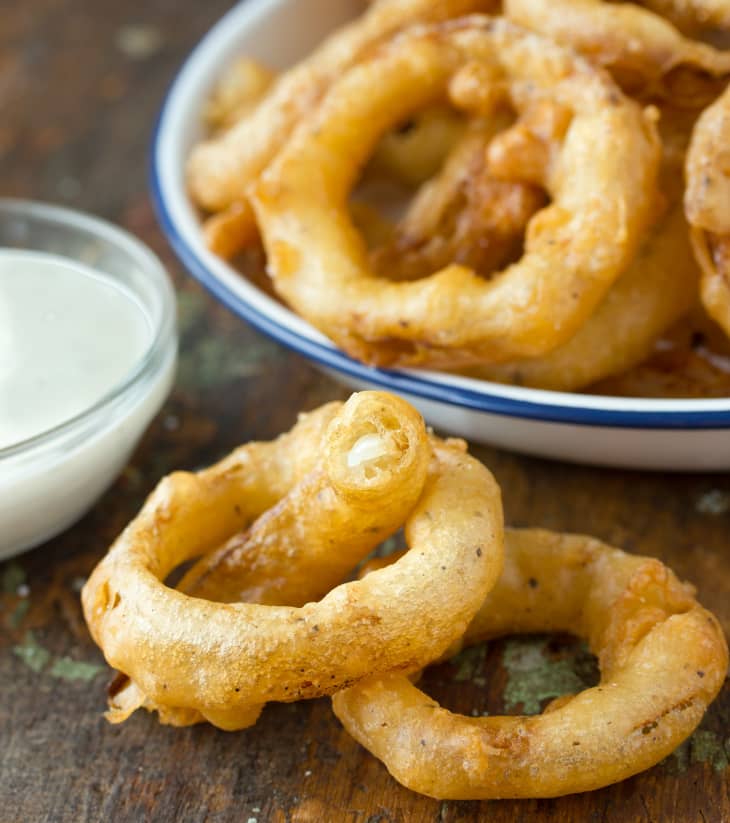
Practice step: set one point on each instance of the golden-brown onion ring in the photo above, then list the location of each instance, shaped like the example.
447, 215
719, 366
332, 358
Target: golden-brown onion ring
641, 49
601, 175
221, 169
280, 551
663, 658
707, 203
219, 659
288, 556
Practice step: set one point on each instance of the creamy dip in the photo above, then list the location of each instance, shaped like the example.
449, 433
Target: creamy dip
68, 337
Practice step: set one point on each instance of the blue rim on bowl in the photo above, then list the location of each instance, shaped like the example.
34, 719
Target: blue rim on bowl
284, 327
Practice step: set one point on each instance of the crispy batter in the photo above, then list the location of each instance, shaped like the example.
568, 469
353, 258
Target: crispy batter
602, 182
707, 203
286, 557
692, 15
241, 87
230, 231
221, 659
663, 658
644, 52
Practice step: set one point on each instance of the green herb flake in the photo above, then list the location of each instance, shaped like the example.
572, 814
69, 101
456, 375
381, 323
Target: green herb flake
532, 677
211, 362
13, 578
67, 669
469, 663
32, 653
707, 747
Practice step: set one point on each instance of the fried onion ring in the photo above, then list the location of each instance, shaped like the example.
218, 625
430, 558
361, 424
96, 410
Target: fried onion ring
707, 204
663, 658
601, 175
646, 53
223, 659
286, 556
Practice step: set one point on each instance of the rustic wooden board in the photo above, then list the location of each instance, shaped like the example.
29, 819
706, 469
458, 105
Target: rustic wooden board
80, 83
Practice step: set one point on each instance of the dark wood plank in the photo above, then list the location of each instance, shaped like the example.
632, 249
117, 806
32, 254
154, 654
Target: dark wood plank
80, 84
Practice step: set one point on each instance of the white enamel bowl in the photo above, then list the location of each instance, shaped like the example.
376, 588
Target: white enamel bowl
686, 435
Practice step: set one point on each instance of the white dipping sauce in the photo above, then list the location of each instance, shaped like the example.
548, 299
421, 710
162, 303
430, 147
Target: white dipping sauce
68, 337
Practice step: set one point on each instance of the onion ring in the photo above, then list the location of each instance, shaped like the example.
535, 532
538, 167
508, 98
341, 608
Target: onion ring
267, 563
707, 204
223, 659
663, 658
273, 567
642, 50
602, 180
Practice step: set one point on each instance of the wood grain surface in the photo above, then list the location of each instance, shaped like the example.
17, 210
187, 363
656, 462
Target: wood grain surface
80, 84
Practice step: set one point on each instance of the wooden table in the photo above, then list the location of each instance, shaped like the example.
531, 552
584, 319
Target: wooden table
80, 84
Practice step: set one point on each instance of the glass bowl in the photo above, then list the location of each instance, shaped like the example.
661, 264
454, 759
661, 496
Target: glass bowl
49, 480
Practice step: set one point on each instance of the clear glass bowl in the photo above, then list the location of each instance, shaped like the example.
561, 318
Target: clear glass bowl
48, 481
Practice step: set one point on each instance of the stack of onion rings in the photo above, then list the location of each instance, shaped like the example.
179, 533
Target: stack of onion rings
232, 637
221, 169
599, 171
221, 661
477, 274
